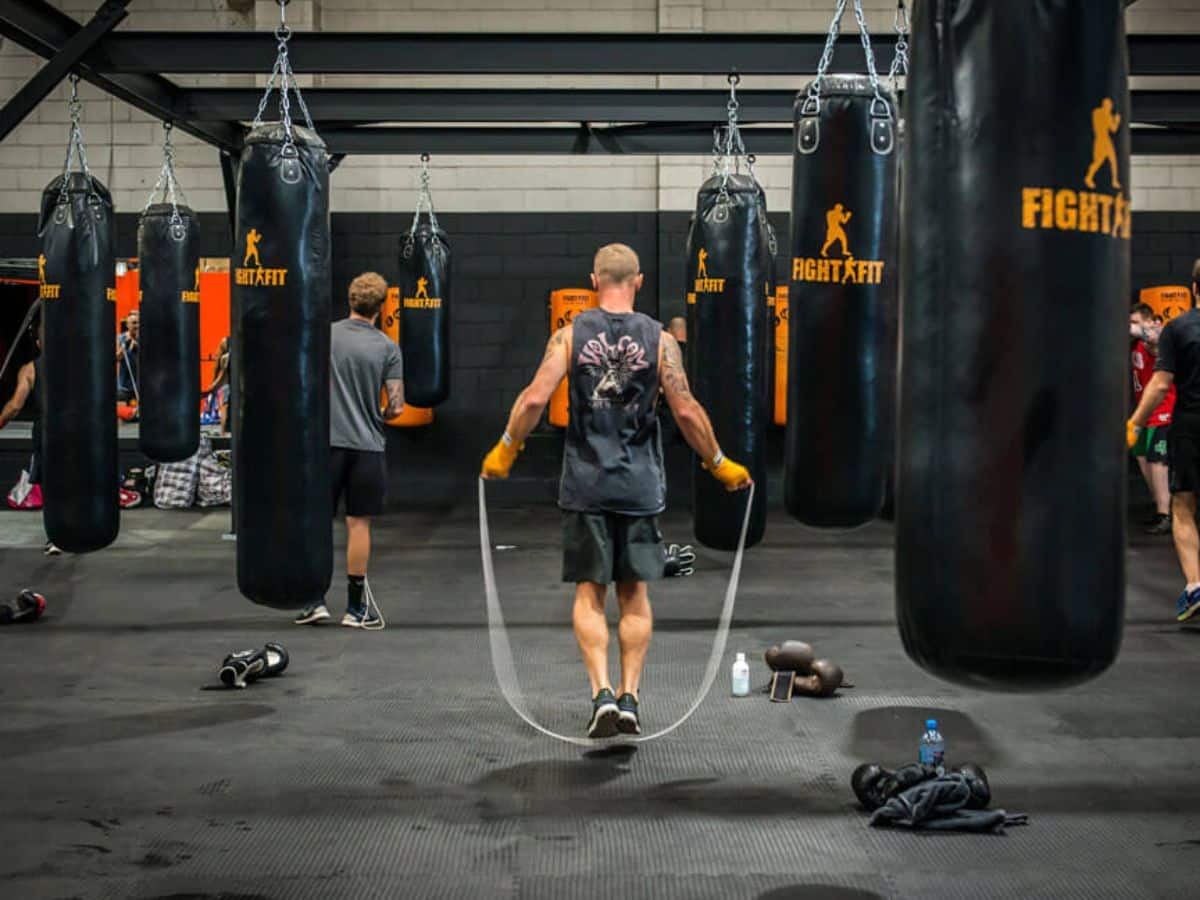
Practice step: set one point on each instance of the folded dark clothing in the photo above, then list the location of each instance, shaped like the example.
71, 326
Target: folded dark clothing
941, 805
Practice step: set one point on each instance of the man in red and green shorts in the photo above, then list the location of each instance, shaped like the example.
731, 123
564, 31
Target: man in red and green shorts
1151, 447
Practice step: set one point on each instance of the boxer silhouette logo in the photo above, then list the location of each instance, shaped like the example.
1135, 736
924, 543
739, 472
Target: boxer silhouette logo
706, 284
1090, 211
258, 275
847, 270
835, 229
46, 291
421, 299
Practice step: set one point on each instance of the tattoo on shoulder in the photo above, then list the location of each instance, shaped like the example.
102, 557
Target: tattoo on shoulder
556, 342
674, 377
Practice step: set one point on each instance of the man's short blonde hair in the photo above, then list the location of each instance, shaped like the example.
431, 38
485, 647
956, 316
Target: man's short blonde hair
367, 293
616, 264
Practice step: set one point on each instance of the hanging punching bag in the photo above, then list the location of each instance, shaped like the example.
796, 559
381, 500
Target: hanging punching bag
841, 302
169, 259
79, 392
425, 313
728, 278
1010, 507
282, 296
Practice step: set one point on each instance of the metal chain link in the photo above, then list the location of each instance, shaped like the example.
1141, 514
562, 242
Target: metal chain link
424, 198
168, 185
729, 150
900, 60
812, 103
865, 34
283, 74
75, 145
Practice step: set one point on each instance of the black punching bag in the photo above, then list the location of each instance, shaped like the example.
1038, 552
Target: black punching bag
78, 370
281, 292
1010, 504
425, 314
841, 303
169, 366
728, 276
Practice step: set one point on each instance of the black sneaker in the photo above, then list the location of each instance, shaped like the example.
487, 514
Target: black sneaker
314, 614
604, 715
627, 718
1162, 525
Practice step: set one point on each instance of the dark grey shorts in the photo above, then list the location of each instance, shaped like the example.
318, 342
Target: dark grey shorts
605, 547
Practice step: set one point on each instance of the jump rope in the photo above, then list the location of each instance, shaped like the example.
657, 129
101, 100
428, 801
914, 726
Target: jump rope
502, 656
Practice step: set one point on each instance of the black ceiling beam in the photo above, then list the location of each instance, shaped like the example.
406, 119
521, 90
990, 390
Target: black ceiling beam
34, 91
683, 138
344, 105
402, 53
42, 29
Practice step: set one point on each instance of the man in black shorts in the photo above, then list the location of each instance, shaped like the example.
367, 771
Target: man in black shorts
613, 486
1179, 365
363, 362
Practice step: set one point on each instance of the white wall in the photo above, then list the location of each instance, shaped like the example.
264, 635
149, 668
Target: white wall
124, 145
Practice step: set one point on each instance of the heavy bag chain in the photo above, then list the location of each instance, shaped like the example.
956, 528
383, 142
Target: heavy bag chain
169, 187
900, 59
75, 148
729, 152
286, 78
424, 204
880, 108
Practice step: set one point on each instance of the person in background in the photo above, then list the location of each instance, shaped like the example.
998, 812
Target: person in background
363, 363
677, 328
1178, 367
218, 389
28, 394
127, 359
1152, 447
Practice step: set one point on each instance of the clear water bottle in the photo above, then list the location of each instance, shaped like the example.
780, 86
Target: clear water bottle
741, 676
933, 747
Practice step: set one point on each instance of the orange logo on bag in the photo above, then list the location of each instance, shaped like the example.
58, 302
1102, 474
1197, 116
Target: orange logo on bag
847, 270
704, 283
421, 299
257, 276
110, 294
46, 291
1063, 209
192, 296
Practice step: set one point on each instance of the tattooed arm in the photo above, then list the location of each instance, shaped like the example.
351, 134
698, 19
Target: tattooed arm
693, 421
395, 398
529, 406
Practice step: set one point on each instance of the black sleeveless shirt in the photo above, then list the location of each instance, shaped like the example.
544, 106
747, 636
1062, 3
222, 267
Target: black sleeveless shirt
612, 458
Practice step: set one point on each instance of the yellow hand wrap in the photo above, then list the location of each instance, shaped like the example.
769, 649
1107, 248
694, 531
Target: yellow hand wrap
732, 475
499, 462
1132, 433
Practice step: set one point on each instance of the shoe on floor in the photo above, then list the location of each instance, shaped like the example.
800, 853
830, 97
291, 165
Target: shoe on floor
627, 718
51, 550
362, 618
605, 715
1187, 605
1161, 525
313, 615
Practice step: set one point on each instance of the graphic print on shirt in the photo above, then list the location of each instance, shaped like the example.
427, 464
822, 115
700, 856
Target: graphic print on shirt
613, 367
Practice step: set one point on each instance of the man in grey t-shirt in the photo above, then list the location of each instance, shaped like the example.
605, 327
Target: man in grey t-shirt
363, 363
